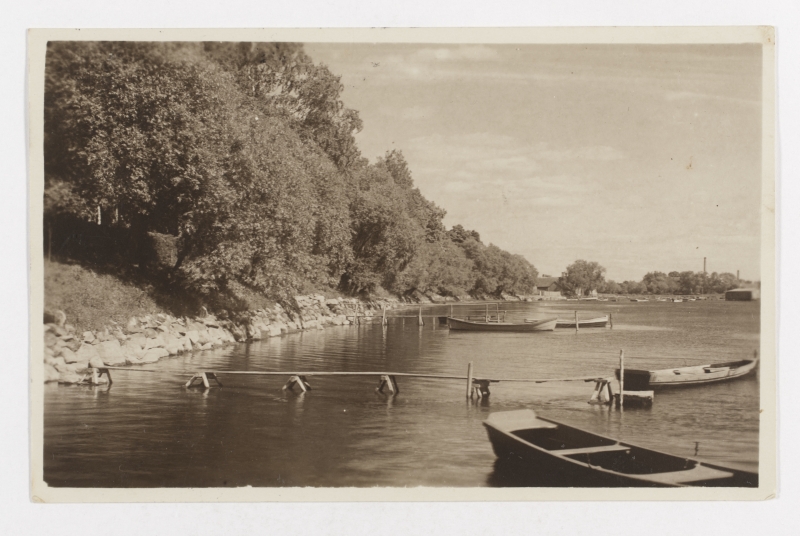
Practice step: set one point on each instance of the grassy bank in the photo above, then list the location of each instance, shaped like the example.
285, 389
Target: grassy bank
91, 299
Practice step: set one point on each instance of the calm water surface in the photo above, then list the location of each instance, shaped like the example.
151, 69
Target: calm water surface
148, 431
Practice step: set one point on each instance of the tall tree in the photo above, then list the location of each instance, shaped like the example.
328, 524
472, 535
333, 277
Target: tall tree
582, 277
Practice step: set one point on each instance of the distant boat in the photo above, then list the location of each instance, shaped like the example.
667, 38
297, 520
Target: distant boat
599, 322
548, 324
646, 380
638, 299
573, 457
677, 300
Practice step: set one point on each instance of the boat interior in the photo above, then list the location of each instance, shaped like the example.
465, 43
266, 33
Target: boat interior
655, 467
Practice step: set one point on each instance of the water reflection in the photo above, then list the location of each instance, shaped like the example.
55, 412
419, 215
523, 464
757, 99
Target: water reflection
252, 433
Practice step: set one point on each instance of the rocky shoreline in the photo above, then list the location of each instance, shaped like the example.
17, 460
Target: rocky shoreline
69, 357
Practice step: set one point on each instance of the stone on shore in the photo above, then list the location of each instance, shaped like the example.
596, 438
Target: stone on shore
69, 377
110, 352
88, 336
153, 355
155, 342
68, 356
84, 354
50, 373
137, 340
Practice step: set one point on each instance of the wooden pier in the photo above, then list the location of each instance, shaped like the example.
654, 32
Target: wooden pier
477, 386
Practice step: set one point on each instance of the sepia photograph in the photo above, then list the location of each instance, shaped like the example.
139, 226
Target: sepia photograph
510, 264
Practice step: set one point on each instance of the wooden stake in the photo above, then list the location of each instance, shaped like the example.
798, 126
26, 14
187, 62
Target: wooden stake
576, 321
621, 378
611, 320
469, 379
299, 381
383, 322
421, 323
487, 313
451, 310
390, 382
205, 380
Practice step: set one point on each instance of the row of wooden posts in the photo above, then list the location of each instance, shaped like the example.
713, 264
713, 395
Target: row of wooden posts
476, 387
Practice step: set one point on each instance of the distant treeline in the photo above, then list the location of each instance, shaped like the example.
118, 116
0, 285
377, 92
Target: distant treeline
232, 168
582, 277
674, 283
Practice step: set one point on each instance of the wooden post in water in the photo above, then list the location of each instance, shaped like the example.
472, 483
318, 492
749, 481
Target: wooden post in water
383, 322
487, 313
611, 320
576, 321
469, 380
451, 310
621, 378
421, 323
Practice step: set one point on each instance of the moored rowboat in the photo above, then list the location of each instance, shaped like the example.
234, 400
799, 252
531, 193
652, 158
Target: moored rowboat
645, 380
548, 324
599, 322
572, 457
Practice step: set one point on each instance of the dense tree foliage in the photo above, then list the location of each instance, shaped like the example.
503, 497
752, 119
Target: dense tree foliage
245, 154
687, 282
582, 277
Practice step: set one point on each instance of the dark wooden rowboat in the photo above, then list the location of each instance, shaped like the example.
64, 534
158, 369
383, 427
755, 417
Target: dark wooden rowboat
573, 457
548, 324
646, 380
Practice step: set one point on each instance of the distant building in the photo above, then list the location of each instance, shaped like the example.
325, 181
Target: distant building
548, 287
743, 294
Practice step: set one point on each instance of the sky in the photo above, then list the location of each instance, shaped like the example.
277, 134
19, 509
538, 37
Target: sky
639, 157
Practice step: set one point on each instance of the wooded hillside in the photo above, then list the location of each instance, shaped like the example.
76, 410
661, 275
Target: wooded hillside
231, 168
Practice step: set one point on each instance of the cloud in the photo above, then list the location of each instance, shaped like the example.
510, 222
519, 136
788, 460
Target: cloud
456, 53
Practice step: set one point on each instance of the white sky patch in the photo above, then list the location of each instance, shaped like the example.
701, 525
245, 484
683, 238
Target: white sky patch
656, 144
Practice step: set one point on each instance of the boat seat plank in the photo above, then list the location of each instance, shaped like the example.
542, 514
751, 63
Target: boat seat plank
697, 473
591, 450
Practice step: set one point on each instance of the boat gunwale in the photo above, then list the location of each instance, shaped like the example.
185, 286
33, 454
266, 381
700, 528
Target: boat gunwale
637, 477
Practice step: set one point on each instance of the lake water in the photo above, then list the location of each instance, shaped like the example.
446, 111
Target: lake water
147, 430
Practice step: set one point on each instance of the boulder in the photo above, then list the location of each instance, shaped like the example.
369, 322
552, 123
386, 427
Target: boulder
88, 336
153, 355
202, 336
84, 354
110, 352
133, 354
254, 332
207, 346
56, 362
194, 336
121, 337
138, 340
96, 362
275, 331
150, 333
50, 339
68, 356
187, 343
69, 377
173, 345
156, 342
51, 374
